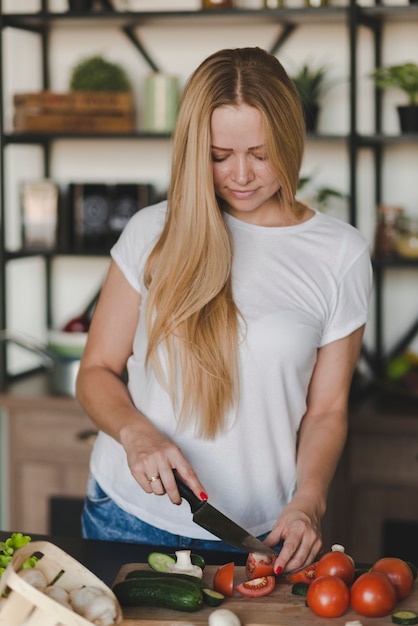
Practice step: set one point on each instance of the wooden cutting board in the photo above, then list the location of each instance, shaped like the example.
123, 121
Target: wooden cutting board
280, 608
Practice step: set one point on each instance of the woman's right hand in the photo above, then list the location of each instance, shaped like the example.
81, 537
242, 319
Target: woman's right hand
152, 457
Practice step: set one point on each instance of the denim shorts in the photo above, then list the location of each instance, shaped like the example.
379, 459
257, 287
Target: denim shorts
105, 520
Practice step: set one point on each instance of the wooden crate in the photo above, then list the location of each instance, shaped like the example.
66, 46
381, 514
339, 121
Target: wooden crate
87, 102
26, 121
27, 606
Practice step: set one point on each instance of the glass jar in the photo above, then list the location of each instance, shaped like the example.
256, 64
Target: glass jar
387, 230
316, 3
217, 4
273, 4
407, 239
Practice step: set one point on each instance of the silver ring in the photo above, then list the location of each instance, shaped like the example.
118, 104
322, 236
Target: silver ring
151, 480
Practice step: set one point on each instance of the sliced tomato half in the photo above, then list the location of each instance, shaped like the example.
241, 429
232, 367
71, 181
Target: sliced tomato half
259, 564
257, 587
223, 581
304, 574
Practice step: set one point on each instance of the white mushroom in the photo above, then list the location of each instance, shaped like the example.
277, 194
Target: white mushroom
95, 605
224, 617
184, 565
59, 595
34, 577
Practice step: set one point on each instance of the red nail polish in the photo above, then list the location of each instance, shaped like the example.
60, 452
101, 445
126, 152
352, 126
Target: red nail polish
278, 570
203, 496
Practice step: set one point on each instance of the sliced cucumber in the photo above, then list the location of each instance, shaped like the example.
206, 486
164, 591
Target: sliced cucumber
300, 589
404, 617
159, 562
196, 559
212, 598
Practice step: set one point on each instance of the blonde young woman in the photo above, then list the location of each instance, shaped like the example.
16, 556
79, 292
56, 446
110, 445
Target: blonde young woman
238, 313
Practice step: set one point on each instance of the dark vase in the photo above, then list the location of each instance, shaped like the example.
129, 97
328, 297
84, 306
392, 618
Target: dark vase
80, 6
408, 118
311, 113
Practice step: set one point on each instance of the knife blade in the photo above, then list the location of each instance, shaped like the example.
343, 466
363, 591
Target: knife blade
212, 520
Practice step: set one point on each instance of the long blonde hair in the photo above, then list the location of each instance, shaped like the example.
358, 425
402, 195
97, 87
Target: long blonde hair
190, 307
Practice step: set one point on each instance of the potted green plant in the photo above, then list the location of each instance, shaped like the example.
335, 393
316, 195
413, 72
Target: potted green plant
404, 77
321, 197
310, 83
97, 74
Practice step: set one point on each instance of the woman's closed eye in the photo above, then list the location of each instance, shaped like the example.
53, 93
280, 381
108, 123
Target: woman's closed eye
262, 156
219, 156
216, 158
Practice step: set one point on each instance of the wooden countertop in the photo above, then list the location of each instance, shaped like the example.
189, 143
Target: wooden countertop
280, 608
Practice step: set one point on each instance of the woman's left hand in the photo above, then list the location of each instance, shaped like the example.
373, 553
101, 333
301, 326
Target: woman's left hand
301, 535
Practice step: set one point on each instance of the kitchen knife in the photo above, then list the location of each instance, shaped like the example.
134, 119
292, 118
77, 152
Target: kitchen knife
209, 518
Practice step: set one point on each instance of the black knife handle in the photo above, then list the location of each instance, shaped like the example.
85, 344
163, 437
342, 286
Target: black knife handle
187, 494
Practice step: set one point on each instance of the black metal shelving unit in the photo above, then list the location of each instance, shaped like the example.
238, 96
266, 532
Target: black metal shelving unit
287, 20
373, 18
43, 21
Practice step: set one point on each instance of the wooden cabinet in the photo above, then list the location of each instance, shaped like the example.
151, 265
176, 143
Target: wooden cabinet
49, 442
381, 469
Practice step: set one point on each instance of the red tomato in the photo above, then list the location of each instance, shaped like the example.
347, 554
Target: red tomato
257, 586
223, 581
373, 595
328, 596
336, 563
259, 565
399, 574
304, 574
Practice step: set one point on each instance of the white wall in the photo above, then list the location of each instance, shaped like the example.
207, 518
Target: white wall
178, 48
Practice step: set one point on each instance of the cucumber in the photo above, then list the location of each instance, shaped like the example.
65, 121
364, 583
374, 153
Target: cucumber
159, 561
211, 597
405, 617
143, 574
178, 595
300, 589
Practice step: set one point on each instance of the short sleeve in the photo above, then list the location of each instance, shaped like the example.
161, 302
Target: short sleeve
350, 309
136, 241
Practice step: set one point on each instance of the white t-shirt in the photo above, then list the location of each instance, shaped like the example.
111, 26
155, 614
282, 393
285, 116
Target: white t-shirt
298, 288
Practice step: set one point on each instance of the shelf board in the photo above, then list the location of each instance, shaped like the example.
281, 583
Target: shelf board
297, 15
395, 262
362, 140
395, 13
325, 137
382, 139
45, 138
50, 254
300, 15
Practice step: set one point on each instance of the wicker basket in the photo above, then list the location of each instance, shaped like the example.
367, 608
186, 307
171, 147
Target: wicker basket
27, 606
